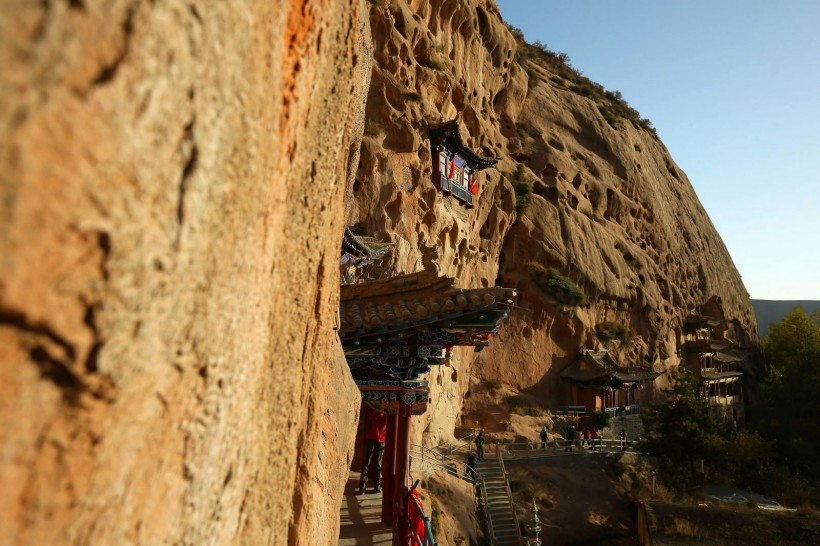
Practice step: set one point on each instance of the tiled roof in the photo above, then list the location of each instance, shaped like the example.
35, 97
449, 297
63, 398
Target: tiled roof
598, 368
707, 345
364, 247
712, 376
722, 356
693, 323
449, 134
417, 299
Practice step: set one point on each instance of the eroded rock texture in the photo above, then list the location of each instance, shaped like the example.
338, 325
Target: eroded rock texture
609, 208
174, 180
172, 177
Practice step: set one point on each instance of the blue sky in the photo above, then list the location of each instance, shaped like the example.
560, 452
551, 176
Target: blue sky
733, 88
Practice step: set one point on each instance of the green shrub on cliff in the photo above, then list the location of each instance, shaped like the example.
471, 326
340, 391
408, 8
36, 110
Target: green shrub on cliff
522, 186
556, 286
609, 330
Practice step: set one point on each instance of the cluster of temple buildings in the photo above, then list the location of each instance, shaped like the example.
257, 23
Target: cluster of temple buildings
395, 329
599, 383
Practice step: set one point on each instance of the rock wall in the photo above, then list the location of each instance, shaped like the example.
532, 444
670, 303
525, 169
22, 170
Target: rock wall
174, 181
608, 207
172, 178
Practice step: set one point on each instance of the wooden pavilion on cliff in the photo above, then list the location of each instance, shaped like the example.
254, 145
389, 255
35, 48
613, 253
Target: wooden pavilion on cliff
392, 331
455, 166
599, 383
360, 255
714, 362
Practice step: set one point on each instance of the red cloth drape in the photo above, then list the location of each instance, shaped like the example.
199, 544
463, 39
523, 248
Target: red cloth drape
415, 525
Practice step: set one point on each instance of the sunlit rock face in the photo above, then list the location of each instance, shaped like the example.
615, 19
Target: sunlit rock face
172, 179
609, 208
174, 182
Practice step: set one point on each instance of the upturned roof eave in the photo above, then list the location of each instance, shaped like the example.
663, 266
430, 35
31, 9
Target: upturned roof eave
450, 133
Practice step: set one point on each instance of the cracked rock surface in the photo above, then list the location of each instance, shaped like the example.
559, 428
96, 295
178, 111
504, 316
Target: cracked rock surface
168, 289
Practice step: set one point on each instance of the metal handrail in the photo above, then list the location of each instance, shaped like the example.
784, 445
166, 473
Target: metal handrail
487, 515
619, 411
533, 449
452, 466
450, 449
510, 498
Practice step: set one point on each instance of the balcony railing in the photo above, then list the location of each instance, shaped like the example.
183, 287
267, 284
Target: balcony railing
620, 411
460, 192
724, 400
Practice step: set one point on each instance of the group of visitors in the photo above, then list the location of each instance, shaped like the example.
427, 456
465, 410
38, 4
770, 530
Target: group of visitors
590, 438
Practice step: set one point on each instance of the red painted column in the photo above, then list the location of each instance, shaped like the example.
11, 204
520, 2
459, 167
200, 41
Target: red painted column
402, 473
389, 470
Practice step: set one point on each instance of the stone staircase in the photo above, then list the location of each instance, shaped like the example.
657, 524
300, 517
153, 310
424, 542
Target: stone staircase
632, 423
498, 507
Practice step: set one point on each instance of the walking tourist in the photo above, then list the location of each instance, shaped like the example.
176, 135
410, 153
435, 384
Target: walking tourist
479, 445
373, 448
469, 472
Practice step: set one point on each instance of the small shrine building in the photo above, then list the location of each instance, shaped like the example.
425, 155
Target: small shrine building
600, 384
455, 166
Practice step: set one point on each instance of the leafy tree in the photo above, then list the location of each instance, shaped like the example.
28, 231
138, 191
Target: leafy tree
788, 414
792, 341
679, 431
600, 419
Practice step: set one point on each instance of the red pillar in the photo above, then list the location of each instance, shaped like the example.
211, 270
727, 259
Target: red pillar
389, 470
402, 474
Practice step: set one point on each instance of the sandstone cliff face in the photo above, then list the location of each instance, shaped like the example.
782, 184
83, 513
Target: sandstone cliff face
174, 182
609, 208
172, 179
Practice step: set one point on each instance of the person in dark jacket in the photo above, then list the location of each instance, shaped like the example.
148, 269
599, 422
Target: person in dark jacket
469, 472
479, 445
570, 436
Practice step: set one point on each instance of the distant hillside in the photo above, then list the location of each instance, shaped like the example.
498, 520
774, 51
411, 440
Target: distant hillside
769, 311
